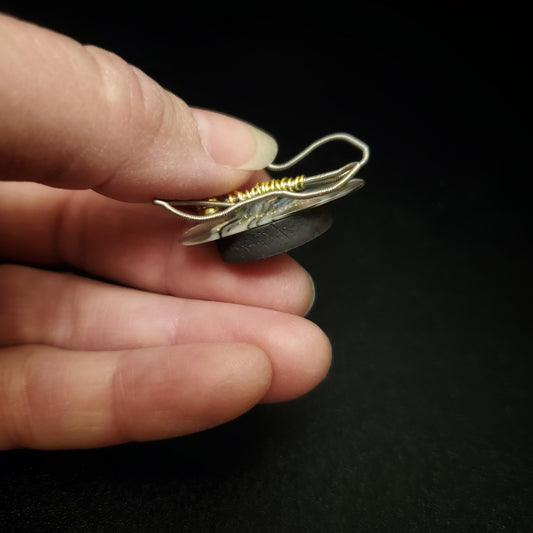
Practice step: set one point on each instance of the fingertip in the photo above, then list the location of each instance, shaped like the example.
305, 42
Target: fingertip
292, 284
233, 142
302, 362
278, 283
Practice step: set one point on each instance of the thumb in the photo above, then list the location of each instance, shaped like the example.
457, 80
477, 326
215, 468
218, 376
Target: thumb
79, 117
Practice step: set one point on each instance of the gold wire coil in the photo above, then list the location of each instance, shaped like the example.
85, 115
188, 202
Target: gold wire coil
283, 184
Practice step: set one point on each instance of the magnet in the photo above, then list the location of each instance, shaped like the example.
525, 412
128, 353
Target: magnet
276, 237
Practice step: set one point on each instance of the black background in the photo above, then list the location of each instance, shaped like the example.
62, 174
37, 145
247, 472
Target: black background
424, 422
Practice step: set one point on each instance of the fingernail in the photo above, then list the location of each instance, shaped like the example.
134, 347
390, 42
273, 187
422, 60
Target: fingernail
313, 297
234, 143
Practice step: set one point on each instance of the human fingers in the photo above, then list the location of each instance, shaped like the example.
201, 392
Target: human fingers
55, 398
80, 117
137, 245
75, 313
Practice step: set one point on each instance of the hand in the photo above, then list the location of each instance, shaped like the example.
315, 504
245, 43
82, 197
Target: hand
149, 339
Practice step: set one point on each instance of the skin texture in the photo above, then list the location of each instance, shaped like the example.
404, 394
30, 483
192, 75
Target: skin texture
110, 330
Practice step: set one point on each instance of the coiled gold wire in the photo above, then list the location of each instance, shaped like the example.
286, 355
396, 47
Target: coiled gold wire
295, 184
283, 184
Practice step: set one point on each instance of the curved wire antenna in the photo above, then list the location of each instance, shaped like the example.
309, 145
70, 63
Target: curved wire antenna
307, 186
346, 137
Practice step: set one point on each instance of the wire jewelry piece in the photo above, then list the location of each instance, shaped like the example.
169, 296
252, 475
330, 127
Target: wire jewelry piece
274, 216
